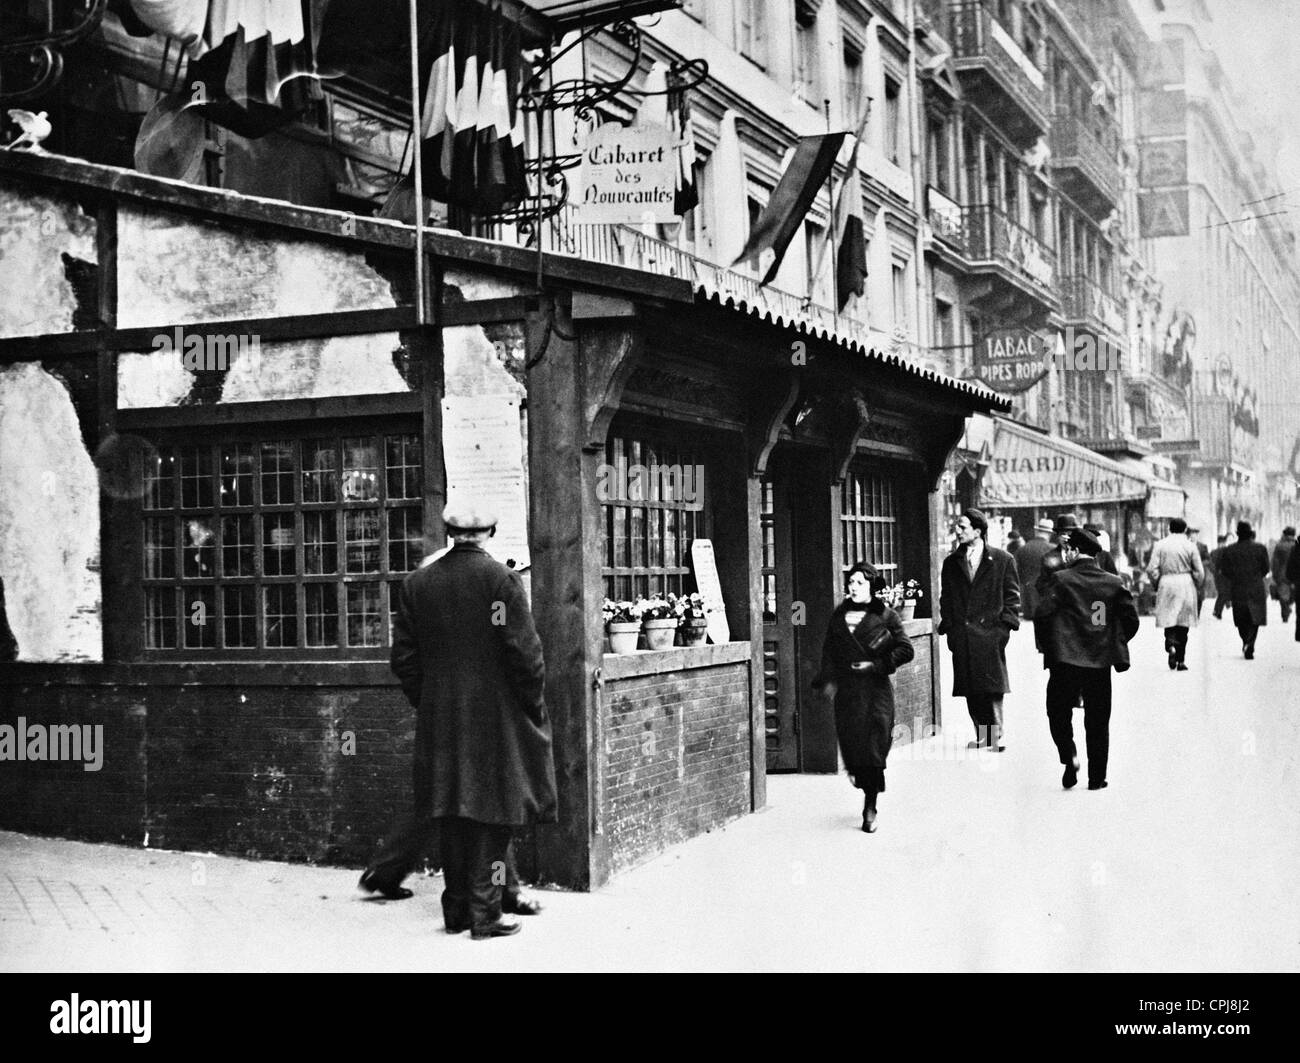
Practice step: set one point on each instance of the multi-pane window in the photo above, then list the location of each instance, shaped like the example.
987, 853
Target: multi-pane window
807, 71
280, 544
767, 525
750, 30
869, 517
855, 93
893, 120
652, 510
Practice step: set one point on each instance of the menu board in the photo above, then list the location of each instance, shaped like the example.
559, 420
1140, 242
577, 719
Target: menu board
710, 588
483, 451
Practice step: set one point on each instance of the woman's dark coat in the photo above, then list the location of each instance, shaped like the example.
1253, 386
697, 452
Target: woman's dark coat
468, 657
864, 702
978, 616
1244, 565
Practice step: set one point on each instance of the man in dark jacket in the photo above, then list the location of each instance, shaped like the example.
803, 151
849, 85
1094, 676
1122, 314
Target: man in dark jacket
979, 607
1283, 587
1089, 618
466, 652
1029, 564
1293, 577
1220, 584
1243, 567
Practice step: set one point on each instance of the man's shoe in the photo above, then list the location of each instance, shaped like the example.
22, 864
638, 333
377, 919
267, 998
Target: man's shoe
1250, 653
499, 929
1173, 659
869, 821
455, 927
975, 745
1181, 667
520, 905
385, 889
1098, 785
1071, 774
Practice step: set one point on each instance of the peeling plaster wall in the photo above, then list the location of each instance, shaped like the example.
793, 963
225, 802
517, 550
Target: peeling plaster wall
297, 369
36, 296
473, 286
49, 520
172, 269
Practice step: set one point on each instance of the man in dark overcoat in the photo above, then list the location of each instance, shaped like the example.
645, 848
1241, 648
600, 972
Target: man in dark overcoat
1283, 587
467, 654
1029, 563
1088, 619
979, 607
1243, 566
1292, 574
1220, 584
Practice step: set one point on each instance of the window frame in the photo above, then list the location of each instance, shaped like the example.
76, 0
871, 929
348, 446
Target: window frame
254, 435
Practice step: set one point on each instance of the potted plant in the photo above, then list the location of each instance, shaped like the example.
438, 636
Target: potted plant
657, 621
691, 620
906, 595
623, 627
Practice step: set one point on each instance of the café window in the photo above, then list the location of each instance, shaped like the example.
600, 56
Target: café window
869, 520
276, 545
652, 494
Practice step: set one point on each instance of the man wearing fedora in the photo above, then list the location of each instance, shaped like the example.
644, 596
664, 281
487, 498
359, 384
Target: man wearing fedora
1029, 565
1087, 618
467, 654
1244, 567
979, 607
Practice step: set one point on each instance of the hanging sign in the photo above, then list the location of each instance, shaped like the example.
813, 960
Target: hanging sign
1012, 360
628, 175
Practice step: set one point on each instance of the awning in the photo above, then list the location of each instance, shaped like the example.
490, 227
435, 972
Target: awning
1032, 469
1165, 500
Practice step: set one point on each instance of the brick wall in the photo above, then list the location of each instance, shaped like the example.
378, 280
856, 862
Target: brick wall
255, 770
677, 757
913, 686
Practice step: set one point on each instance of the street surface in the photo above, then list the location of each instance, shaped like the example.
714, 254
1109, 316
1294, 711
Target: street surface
1189, 861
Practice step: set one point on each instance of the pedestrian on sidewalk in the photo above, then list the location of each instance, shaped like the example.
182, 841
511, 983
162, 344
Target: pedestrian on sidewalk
466, 651
1220, 585
1293, 577
1089, 619
1029, 565
979, 607
1194, 534
1244, 566
864, 645
1175, 569
1104, 560
1283, 587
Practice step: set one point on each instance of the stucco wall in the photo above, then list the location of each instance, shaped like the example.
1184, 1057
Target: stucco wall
45, 243
49, 520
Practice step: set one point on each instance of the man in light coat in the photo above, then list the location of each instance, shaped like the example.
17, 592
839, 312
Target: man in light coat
467, 654
979, 607
1175, 569
1088, 619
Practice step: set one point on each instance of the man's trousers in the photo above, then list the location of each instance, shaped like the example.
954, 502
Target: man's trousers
986, 714
1064, 685
467, 847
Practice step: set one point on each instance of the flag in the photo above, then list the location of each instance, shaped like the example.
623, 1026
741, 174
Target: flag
471, 128
851, 255
781, 218
685, 195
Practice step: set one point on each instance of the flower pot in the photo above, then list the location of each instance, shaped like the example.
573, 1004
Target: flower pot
694, 632
907, 610
623, 637
659, 634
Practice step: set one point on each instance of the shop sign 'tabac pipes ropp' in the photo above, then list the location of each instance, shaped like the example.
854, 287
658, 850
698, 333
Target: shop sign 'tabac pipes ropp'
1012, 360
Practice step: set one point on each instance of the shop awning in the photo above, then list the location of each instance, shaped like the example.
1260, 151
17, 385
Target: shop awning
1032, 469
1166, 500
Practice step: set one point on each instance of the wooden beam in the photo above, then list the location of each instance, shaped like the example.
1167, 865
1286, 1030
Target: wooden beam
610, 352
235, 413
770, 403
848, 423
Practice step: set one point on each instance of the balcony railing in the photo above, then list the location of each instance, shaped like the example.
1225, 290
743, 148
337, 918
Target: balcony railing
625, 245
991, 236
1083, 300
1089, 151
980, 41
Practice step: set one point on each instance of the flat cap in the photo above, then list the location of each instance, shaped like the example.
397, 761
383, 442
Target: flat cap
464, 513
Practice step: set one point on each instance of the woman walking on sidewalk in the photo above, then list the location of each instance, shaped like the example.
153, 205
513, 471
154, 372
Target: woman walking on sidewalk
1176, 571
864, 645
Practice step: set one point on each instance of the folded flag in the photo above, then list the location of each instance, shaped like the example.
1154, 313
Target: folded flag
794, 193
